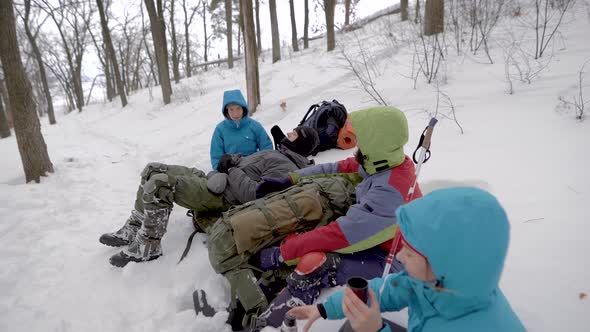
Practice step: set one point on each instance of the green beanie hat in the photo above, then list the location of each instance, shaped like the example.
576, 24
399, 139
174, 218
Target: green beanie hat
381, 133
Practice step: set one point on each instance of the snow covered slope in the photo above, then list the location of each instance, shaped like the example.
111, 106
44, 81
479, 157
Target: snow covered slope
55, 275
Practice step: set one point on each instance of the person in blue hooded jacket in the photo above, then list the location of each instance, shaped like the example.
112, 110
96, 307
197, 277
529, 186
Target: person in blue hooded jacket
237, 133
452, 243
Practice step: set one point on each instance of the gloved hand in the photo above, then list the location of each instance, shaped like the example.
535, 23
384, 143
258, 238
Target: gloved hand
270, 258
228, 161
269, 185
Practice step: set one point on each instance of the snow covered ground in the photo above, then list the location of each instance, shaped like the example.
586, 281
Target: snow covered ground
55, 275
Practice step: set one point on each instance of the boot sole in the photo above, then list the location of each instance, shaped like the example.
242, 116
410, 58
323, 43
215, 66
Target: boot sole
112, 241
120, 259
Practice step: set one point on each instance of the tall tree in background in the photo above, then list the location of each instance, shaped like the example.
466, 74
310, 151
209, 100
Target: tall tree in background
274, 27
104, 61
251, 54
27, 128
147, 49
403, 4
417, 17
175, 64
229, 32
347, 12
434, 12
293, 27
72, 20
4, 127
306, 26
6, 100
329, 8
32, 37
188, 19
110, 52
159, 38
204, 9
258, 33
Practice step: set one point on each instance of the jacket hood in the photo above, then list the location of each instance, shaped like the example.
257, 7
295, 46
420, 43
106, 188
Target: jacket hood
464, 234
381, 133
234, 97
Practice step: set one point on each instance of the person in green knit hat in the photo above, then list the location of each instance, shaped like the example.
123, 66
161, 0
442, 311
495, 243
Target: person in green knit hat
358, 243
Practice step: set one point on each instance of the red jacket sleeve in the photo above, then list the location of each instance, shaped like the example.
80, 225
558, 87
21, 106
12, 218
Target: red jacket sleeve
326, 238
348, 165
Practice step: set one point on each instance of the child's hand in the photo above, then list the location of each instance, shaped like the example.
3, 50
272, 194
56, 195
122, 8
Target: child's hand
309, 312
362, 317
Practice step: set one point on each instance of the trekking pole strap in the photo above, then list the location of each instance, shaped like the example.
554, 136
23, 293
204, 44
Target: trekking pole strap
425, 140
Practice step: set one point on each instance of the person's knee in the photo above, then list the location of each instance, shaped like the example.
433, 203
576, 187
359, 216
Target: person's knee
151, 168
314, 268
158, 190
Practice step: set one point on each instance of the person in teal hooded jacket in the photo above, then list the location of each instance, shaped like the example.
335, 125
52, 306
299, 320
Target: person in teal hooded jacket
452, 243
237, 133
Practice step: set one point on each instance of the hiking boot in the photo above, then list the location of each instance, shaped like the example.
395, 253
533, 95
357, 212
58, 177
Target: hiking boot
126, 234
142, 249
146, 244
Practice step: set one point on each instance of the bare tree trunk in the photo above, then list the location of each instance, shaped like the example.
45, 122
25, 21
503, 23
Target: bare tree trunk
156, 24
147, 50
110, 50
240, 31
403, 4
346, 12
229, 33
187, 22
293, 27
175, 67
417, 17
6, 100
258, 33
434, 12
329, 6
306, 26
206, 39
4, 127
274, 27
39, 59
251, 55
107, 77
31, 145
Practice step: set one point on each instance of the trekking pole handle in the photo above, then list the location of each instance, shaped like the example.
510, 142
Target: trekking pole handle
428, 133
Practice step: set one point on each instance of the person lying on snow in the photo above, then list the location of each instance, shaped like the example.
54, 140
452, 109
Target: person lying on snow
237, 133
235, 183
357, 243
452, 244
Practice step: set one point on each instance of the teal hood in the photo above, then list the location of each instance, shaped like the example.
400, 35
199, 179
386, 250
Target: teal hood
234, 97
464, 233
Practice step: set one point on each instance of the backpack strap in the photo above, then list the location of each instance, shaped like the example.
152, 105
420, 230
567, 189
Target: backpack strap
268, 216
311, 108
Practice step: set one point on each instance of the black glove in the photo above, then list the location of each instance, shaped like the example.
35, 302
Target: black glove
277, 135
228, 161
269, 185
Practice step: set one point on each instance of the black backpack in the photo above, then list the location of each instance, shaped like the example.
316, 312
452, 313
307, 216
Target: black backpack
327, 118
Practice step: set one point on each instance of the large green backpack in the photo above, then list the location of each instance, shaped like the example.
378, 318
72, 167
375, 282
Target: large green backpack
244, 230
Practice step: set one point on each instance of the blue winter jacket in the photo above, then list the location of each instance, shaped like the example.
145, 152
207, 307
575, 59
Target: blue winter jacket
464, 234
245, 136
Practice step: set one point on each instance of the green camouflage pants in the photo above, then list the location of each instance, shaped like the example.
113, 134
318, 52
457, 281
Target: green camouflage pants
163, 185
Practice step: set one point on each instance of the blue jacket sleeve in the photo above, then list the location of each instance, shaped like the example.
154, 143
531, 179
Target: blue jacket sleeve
393, 298
262, 139
217, 150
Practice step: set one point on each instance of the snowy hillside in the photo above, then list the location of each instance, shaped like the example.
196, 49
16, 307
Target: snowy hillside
523, 147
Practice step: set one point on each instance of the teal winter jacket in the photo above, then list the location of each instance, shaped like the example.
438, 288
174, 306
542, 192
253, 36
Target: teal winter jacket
245, 136
464, 233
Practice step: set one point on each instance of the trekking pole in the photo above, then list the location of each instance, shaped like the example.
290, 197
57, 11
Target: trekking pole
424, 147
